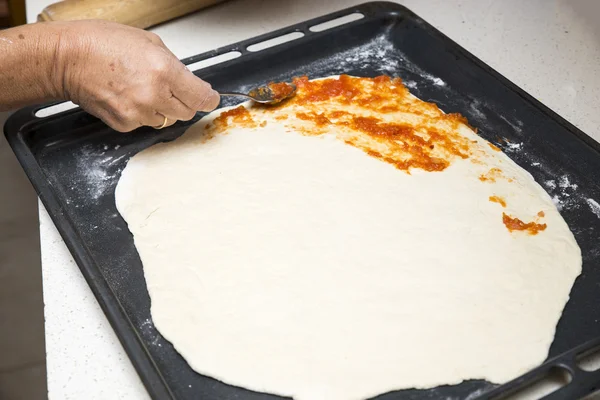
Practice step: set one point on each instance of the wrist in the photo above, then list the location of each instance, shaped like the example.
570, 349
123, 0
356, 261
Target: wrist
33, 64
43, 52
62, 45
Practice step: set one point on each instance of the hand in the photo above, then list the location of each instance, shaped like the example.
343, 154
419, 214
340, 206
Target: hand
127, 77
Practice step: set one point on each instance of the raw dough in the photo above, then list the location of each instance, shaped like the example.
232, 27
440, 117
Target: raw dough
296, 264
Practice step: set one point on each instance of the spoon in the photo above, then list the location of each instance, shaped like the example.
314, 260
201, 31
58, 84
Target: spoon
272, 93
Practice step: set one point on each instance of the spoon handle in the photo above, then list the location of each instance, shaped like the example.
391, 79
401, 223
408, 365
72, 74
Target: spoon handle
236, 94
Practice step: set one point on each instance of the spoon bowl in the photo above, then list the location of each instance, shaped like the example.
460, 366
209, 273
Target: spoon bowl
272, 93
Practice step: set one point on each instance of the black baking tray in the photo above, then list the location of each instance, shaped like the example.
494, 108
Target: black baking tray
74, 161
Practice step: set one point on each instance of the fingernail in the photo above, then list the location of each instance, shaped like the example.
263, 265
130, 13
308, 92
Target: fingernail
213, 100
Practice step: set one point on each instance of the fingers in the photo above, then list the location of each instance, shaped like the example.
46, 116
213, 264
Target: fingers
144, 86
122, 120
173, 108
159, 121
148, 106
119, 124
164, 106
193, 91
126, 119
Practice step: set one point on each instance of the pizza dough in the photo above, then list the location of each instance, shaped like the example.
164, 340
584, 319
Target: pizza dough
300, 251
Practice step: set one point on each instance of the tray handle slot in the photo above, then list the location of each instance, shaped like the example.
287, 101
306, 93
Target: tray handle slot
45, 112
582, 382
332, 23
276, 41
589, 360
209, 62
539, 386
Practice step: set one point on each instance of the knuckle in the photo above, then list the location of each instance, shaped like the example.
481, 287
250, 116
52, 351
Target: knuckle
113, 105
154, 38
121, 128
159, 64
119, 116
118, 126
128, 119
145, 96
131, 125
112, 122
152, 35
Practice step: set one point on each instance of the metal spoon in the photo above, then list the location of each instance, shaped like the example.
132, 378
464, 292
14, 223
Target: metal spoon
266, 95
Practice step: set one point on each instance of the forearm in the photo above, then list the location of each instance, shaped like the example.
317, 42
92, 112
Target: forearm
125, 76
30, 68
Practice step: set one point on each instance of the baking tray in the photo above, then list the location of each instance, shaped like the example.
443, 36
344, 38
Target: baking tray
74, 162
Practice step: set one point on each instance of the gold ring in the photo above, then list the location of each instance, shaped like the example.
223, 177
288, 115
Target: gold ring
163, 124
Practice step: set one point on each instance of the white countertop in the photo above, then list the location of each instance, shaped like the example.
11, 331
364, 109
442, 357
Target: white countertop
551, 48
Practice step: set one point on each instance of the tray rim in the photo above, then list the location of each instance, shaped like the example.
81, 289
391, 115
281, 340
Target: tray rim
22, 120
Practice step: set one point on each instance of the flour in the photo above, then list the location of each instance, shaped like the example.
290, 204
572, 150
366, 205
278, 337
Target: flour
435, 80
550, 184
594, 206
478, 111
474, 395
513, 147
98, 170
564, 183
378, 54
98, 179
474, 106
149, 331
115, 160
564, 193
564, 202
515, 123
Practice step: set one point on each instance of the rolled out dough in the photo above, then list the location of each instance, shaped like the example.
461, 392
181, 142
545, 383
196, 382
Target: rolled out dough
298, 265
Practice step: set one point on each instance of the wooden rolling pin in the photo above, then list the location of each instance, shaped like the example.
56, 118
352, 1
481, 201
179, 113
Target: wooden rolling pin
138, 13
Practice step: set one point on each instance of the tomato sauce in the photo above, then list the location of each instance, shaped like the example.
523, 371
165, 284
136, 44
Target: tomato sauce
491, 175
239, 115
515, 224
499, 200
429, 145
281, 90
380, 117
